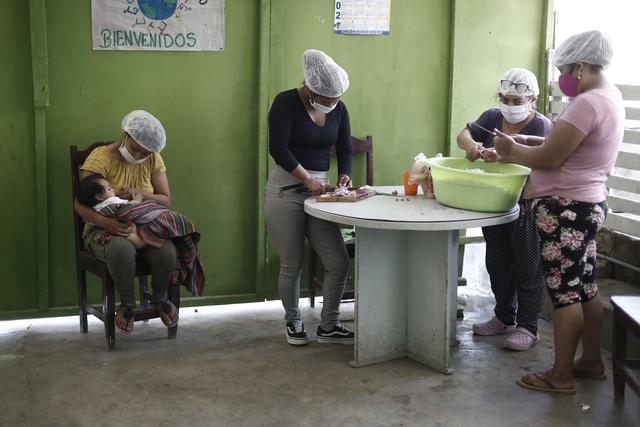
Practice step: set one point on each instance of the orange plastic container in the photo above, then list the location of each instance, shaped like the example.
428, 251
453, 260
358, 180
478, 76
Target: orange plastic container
409, 189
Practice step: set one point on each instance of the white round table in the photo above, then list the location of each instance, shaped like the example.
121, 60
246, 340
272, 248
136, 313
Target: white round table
406, 273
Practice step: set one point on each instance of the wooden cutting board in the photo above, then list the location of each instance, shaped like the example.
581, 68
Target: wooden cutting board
350, 198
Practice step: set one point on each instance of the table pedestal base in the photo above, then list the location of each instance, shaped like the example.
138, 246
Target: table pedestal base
406, 285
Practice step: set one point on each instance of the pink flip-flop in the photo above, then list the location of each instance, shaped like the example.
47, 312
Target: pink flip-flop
520, 340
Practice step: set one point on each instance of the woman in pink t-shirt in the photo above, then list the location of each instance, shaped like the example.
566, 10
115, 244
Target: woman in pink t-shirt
568, 193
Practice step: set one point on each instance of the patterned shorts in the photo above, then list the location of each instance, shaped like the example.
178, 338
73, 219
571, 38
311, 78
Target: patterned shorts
567, 230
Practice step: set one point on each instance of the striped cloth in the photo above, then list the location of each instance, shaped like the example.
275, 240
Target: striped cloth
157, 223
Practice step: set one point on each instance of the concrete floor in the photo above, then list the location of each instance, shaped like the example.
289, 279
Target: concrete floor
230, 365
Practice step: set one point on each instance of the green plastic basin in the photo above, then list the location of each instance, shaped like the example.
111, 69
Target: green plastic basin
477, 186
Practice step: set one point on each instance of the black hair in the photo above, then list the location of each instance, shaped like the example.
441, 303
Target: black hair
594, 68
89, 189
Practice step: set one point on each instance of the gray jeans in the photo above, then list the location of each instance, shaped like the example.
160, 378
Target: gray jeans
288, 226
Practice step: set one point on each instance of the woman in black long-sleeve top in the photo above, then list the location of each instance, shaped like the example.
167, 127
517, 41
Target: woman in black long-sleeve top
304, 124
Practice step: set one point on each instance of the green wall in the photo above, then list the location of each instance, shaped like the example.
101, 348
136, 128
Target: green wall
490, 37
206, 103
204, 100
17, 161
214, 106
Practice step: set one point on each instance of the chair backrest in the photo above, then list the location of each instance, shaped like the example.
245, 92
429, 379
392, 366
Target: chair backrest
77, 159
363, 146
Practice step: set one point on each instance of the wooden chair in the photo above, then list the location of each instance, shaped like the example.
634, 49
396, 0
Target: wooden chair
85, 262
359, 146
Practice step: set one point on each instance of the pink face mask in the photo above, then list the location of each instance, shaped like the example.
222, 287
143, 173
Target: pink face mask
568, 85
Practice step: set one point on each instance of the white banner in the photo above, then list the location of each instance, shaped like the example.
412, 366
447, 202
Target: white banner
157, 24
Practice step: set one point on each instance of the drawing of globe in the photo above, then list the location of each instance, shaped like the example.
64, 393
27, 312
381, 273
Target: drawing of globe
157, 9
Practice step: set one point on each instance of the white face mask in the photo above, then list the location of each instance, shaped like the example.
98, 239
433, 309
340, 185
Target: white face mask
514, 113
127, 155
322, 108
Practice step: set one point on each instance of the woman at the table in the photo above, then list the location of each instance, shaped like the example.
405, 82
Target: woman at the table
568, 193
513, 253
304, 123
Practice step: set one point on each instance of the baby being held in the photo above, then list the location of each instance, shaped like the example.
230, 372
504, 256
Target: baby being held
96, 192
151, 223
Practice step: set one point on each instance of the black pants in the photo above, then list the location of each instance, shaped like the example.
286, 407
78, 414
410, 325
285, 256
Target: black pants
513, 263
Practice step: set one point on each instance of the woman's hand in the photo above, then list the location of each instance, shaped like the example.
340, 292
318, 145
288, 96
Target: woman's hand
503, 143
344, 180
314, 186
489, 155
473, 152
116, 227
472, 149
135, 238
129, 193
520, 139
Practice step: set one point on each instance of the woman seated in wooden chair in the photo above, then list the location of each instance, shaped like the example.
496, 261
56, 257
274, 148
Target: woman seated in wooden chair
134, 168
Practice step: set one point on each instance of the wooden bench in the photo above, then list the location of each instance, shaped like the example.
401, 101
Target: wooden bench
626, 318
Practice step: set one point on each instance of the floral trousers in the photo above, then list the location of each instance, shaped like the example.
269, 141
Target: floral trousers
567, 230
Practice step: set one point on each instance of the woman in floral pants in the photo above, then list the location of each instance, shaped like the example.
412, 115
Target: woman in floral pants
567, 232
568, 195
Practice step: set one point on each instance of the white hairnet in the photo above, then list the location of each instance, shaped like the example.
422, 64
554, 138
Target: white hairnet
322, 75
516, 76
145, 129
591, 47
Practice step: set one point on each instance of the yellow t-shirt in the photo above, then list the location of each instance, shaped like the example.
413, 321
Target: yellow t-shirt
121, 174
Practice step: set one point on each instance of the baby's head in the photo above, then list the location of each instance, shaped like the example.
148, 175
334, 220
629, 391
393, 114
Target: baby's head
93, 189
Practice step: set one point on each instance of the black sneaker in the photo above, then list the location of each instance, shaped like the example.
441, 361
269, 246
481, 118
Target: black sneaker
338, 335
296, 335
